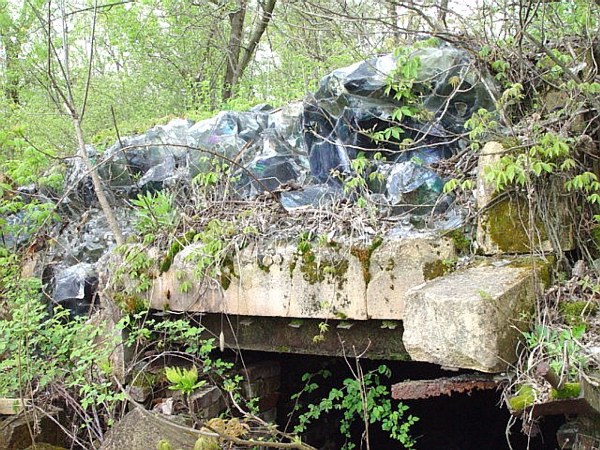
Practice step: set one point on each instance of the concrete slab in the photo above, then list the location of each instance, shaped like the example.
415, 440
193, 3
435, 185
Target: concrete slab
470, 319
507, 224
398, 265
332, 281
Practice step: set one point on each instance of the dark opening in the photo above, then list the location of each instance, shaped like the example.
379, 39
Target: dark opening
459, 422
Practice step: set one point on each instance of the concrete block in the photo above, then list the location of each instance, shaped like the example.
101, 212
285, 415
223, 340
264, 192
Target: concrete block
470, 319
507, 224
355, 281
399, 265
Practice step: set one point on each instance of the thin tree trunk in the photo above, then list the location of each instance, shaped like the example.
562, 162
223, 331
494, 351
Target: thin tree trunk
393, 12
106, 208
12, 88
261, 27
237, 19
441, 16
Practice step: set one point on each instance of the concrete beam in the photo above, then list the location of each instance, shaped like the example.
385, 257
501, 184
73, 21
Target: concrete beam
281, 335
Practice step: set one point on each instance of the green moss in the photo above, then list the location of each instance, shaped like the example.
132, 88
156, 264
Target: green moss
575, 312
397, 357
318, 271
506, 224
262, 266
265, 269
377, 241
227, 272
509, 142
363, 254
525, 397
390, 265
292, 265
144, 379
130, 303
570, 390
175, 248
462, 244
438, 268
334, 245
543, 266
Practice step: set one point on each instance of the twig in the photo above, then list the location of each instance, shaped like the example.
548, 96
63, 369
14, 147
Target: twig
112, 112
91, 59
568, 72
544, 371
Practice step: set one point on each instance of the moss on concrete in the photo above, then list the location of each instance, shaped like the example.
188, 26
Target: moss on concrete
227, 272
318, 269
543, 266
130, 303
575, 312
525, 397
438, 268
507, 226
175, 248
363, 254
569, 390
433, 269
260, 262
462, 244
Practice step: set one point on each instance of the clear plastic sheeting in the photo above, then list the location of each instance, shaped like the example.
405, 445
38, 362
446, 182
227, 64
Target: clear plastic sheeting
310, 145
88, 237
18, 228
351, 104
315, 196
305, 151
75, 288
274, 171
413, 185
78, 179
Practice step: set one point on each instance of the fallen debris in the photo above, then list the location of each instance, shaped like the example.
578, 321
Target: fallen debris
461, 384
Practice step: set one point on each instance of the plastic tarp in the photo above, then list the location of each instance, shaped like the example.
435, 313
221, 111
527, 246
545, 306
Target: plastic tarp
74, 288
312, 143
308, 146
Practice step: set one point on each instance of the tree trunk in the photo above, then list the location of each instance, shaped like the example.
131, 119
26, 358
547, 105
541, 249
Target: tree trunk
236, 19
104, 205
261, 27
393, 13
441, 16
239, 55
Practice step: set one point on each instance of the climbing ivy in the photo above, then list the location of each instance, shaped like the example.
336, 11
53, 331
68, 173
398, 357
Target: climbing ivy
364, 397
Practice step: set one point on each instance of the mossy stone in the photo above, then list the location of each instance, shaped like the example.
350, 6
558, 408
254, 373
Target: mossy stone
227, 272
569, 390
317, 270
525, 397
507, 225
462, 244
363, 254
433, 269
575, 312
175, 248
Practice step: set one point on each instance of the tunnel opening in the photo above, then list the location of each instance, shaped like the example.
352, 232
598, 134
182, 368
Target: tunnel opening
463, 421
